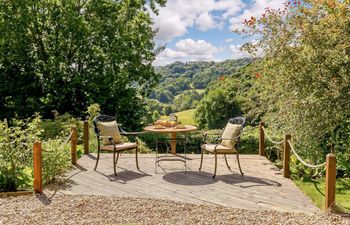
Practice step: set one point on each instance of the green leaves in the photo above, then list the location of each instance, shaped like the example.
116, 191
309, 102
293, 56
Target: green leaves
16, 146
304, 85
65, 55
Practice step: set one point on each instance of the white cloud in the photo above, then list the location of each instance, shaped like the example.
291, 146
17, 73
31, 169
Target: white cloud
256, 9
237, 53
188, 50
228, 40
205, 22
179, 15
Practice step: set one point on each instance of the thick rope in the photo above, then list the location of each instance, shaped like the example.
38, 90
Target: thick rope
270, 139
301, 160
68, 138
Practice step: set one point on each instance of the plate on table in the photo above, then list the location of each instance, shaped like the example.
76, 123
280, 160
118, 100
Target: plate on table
158, 127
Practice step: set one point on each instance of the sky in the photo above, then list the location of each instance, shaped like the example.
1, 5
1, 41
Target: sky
202, 30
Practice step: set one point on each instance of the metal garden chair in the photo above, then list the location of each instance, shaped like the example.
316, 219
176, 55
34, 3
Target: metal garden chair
107, 130
230, 138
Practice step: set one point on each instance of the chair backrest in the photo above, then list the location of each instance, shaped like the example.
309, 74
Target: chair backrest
238, 120
102, 118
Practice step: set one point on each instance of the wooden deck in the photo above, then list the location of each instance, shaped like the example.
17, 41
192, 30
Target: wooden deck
262, 186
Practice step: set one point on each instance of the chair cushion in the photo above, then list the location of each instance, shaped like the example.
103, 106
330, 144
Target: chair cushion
231, 131
221, 149
109, 129
119, 147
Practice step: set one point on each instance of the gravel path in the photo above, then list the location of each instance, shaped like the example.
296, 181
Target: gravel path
65, 209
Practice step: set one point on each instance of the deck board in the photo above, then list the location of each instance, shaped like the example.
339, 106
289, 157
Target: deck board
261, 187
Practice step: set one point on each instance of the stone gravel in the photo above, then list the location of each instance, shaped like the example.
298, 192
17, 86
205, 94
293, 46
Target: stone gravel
72, 209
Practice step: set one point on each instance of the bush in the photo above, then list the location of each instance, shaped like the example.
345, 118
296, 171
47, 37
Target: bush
249, 143
56, 158
61, 125
302, 81
16, 144
16, 147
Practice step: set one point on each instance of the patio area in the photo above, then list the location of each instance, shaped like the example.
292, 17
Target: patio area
262, 187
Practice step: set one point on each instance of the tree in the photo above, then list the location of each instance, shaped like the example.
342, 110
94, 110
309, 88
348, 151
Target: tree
65, 55
303, 78
220, 102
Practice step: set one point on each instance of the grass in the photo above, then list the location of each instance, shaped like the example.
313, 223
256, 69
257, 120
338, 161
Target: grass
185, 117
200, 91
315, 189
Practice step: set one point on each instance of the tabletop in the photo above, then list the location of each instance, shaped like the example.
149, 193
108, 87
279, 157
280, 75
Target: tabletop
170, 129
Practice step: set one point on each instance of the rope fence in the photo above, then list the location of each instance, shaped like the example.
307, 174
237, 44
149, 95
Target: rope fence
270, 139
302, 161
288, 147
38, 157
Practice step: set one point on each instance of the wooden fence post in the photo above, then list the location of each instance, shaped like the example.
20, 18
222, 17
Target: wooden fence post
331, 173
286, 155
37, 158
262, 151
86, 137
74, 140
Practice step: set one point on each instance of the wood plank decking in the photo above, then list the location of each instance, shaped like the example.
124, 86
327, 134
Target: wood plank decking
262, 186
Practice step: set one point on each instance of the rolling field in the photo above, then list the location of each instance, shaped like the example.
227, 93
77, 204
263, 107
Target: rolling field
185, 117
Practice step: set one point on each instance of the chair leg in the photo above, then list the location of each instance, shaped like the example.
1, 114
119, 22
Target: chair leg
239, 165
229, 168
156, 162
137, 161
98, 158
216, 164
200, 167
114, 163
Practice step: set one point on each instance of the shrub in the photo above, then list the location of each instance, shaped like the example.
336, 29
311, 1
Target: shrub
16, 144
248, 144
302, 80
60, 125
56, 158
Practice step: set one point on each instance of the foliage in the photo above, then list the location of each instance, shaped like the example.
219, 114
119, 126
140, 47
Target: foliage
181, 84
315, 189
16, 146
92, 111
59, 126
187, 100
219, 103
56, 158
225, 68
65, 55
248, 143
303, 79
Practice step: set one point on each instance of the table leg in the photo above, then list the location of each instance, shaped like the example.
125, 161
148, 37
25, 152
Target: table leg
173, 143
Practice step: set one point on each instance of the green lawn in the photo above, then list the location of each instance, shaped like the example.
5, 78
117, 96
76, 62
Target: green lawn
315, 189
200, 91
185, 117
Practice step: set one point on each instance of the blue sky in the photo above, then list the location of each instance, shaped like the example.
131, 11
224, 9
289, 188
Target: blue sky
201, 30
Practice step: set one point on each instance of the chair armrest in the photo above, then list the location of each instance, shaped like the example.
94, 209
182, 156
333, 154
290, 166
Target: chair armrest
107, 137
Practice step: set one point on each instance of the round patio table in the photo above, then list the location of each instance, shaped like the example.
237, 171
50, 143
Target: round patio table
172, 131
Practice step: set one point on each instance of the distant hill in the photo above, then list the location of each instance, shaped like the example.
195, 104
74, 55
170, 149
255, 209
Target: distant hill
182, 85
200, 74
